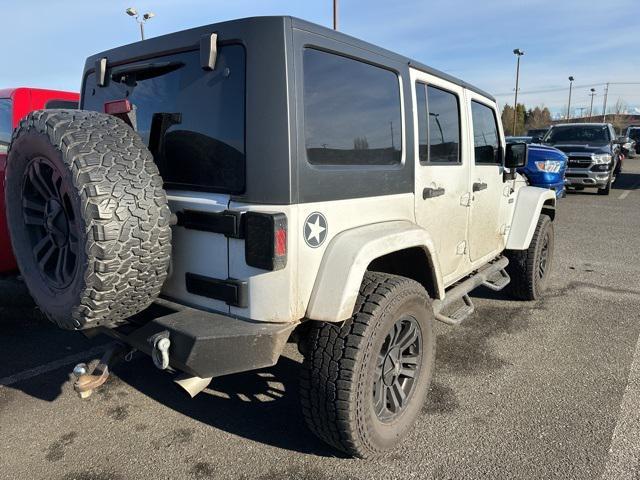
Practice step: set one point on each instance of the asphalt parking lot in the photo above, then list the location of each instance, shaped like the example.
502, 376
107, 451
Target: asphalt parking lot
547, 389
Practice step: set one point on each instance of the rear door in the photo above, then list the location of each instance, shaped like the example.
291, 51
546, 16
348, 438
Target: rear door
193, 121
442, 168
488, 189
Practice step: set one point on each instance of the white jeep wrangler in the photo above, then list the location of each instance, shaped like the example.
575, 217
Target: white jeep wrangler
230, 188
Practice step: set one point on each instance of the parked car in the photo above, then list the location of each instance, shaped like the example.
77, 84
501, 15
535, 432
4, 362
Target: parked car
537, 133
15, 104
634, 134
348, 222
545, 167
512, 139
594, 153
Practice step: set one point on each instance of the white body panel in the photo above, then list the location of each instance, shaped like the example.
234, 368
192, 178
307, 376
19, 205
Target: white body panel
489, 207
206, 253
445, 217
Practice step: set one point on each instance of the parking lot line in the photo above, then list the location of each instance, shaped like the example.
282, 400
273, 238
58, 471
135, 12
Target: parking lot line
49, 367
625, 193
624, 453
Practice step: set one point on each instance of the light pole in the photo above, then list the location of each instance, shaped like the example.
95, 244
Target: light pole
604, 105
569, 104
518, 53
132, 12
592, 94
335, 14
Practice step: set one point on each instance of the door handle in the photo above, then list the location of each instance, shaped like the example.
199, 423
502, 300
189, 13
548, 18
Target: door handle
477, 186
432, 192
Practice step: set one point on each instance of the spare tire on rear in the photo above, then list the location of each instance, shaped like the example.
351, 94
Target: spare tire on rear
88, 217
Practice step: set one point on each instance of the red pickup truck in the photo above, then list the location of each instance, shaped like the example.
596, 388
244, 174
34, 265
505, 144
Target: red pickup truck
16, 103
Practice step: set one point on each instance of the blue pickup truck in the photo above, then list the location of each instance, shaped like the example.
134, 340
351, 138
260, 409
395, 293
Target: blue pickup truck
546, 166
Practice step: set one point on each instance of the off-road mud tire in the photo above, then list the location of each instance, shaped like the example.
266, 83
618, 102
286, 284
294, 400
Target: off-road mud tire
338, 373
115, 209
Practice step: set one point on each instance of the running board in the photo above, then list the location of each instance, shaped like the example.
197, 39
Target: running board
498, 281
485, 276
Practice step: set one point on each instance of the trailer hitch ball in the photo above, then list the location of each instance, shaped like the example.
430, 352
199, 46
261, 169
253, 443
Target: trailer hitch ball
160, 353
80, 369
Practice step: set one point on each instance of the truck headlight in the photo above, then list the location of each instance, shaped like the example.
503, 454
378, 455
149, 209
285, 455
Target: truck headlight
601, 158
550, 166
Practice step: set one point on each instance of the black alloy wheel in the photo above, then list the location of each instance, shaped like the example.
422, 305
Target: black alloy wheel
51, 222
397, 368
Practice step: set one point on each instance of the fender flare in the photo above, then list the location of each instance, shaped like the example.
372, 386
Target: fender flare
347, 257
529, 205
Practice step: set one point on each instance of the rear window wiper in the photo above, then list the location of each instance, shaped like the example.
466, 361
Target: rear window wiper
129, 74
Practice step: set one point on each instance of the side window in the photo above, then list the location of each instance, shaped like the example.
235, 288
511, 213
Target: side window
486, 140
6, 127
351, 111
438, 125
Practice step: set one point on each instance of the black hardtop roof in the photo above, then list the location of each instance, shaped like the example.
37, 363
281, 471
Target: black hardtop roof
187, 39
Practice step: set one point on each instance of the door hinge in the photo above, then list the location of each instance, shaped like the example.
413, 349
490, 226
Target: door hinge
461, 249
504, 229
465, 200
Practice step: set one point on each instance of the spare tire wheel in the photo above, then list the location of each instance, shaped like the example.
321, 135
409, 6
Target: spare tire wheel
88, 217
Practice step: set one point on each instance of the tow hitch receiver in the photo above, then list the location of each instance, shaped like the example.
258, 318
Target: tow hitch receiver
88, 380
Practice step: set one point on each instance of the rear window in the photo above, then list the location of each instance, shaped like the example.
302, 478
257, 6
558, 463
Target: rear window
192, 120
351, 111
6, 125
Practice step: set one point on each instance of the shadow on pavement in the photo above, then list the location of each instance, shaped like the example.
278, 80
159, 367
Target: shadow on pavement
262, 406
627, 181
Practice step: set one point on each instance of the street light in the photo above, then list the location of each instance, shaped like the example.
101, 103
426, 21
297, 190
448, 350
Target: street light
592, 94
132, 12
335, 14
569, 104
518, 53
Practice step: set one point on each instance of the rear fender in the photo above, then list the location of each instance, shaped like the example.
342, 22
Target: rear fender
349, 254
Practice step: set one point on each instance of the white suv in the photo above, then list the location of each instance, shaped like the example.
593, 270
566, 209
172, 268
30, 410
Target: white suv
233, 187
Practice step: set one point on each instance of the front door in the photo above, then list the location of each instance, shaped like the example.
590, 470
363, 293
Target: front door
487, 184
442, 169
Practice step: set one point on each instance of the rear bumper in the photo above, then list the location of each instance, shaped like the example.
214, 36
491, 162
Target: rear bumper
205, 344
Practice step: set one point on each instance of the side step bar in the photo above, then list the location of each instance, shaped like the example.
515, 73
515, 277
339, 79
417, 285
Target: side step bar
492, 275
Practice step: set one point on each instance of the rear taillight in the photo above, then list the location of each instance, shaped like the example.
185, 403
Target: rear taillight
265, 240
117, 107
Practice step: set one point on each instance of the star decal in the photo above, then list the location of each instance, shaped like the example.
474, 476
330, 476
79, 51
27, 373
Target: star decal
315, 229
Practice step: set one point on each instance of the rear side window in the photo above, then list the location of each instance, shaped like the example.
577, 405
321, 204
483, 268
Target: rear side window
486, 140
351, 111
438, 125
6, 124
192, 120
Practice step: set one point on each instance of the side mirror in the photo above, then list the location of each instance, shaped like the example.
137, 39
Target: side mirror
517, 155
622, 140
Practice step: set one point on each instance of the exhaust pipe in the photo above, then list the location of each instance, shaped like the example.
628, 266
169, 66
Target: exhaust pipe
192, 385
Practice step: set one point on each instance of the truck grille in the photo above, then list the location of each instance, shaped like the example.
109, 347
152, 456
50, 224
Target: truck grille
579, 161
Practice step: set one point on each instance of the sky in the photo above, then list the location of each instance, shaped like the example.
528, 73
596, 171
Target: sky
594, 41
